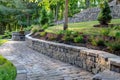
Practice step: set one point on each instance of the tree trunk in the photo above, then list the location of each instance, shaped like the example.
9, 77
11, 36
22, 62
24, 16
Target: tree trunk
56, 11
66, 16
87, 3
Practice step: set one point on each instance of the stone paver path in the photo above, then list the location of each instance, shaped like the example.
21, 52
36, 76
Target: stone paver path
39, 66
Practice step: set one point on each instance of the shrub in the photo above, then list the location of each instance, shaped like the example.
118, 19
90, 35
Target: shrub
104, 16
79, 39
116, 28
105, 32
97, 41
7, 34
43, 17
113, 46
74, 34
42, 34
67, 38
52, 38
100, 42
115, 33
67, 35
28, 28
50, 18
1, 36
35, 29
44, 26
7, 70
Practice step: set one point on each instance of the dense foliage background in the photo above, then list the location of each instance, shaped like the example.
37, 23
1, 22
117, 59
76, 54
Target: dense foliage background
17, 13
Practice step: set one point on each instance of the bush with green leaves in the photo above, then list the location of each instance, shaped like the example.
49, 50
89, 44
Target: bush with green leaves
7, 34
50, 18
105, 32
113, 46
74, 33
116, 28
67, 35
7, 69
104, 17
42, 34
35, 29
115, 34
28, 28
45, 26
97, 41
43, 17
79, 39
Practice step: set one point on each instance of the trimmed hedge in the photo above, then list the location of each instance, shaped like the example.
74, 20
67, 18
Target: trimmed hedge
7, 69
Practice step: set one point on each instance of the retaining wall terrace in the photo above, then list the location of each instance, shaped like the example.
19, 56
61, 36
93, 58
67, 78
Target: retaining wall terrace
91, 60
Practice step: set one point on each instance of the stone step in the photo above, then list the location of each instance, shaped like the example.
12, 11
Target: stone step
107, 75
114, 64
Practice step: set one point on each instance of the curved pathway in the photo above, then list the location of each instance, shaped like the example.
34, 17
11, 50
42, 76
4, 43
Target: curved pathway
36, 66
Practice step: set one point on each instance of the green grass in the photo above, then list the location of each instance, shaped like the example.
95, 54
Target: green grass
2, 41
85, 27
7, 69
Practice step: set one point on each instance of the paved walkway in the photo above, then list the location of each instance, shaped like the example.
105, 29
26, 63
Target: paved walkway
38, 66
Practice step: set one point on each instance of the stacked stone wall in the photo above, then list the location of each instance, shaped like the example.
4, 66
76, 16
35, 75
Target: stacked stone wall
91, 60
91, 14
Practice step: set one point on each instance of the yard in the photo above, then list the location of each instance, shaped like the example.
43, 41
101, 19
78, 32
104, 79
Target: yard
84, 27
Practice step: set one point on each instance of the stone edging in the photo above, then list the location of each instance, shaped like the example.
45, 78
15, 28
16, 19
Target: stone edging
91, 60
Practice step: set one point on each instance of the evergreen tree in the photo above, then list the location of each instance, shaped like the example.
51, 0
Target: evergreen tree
43, 17
104, 16
50, 18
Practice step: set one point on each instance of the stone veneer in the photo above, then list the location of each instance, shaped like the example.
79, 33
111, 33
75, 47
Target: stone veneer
91, 14
91, 60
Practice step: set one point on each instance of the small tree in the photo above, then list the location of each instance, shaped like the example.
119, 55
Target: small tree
104, 16
43, 17
50, 18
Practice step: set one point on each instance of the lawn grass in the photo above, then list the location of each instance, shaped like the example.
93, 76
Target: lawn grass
2, 41
84, 27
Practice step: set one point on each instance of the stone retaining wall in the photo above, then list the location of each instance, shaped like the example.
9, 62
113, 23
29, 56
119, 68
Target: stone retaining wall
91, 60
91, 14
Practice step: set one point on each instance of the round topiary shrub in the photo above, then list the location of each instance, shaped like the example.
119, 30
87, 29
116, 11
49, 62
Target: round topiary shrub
7, 69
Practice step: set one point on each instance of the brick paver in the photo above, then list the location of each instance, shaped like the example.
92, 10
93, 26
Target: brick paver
39, 66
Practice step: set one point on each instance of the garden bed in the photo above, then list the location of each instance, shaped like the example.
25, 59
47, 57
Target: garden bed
98, 42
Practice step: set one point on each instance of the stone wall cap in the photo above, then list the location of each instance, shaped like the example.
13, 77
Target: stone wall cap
60, 44
115, 61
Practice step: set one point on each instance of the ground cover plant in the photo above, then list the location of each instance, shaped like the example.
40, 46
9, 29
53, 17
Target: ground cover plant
7, 69
2, 41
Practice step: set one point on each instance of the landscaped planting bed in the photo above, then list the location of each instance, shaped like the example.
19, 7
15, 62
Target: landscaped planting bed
7, 69
99, 42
